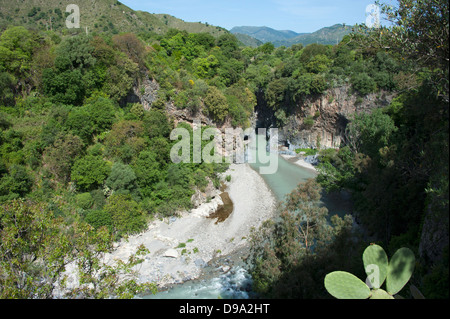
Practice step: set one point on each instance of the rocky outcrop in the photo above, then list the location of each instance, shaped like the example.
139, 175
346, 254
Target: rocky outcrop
144, 92
320, 121
435, 236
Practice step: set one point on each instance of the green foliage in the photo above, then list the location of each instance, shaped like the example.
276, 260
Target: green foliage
318, 64
102, 113
125, 140
74, 75
307, 151
99, 218
16, 183
84, 200
368, 133
7, 83
363, 83
63, 101
308, 122
216, 104
291, 253
60, 156
126, 215
16, 50
156, 124
36, 247
336, 169
79, 121
122, 180
89, 172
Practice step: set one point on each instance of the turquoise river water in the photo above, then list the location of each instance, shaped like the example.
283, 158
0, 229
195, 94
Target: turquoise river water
236, 283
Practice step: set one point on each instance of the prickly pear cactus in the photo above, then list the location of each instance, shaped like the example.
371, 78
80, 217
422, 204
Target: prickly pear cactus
376, 265
400, 269
396, 272
380, 294
344, 285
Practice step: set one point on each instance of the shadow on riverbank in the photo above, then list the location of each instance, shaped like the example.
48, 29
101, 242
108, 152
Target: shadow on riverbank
223, 211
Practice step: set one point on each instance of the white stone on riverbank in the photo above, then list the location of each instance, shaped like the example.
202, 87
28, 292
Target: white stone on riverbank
171, 253
298, 161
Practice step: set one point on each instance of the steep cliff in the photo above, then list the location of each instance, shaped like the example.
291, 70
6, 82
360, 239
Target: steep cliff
320, 121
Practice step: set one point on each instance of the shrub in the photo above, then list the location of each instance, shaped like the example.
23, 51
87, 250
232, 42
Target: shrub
84, 200
122, 180
89, 172
308, 122
216, 104
363, 83
99, 218
126, 215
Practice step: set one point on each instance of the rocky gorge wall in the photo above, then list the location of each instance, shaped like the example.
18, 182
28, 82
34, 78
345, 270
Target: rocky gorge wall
320, 121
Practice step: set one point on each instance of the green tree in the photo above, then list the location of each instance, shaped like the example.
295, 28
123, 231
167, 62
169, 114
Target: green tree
84, 200
126, 215
318, 64
37, 247
288, 255
368, 133
17, 45
17, 183
80, 123
99, 218
216, 104
89, 172
363, 83
7, 84
102, 113
148, 171
73, 76
206, 67
156, 124
59, 157
122, 180
125, 140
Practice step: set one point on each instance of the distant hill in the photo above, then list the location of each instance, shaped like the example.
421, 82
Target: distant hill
247, 40
98, 16
327, 35
265, 34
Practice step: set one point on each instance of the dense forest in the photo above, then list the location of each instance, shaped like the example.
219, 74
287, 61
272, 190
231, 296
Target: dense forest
81, 166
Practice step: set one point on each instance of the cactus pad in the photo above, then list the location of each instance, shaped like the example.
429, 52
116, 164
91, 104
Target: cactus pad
400, 269
376, 265
343, 285
380, 294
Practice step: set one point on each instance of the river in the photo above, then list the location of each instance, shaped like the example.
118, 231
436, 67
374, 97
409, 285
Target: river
236, 282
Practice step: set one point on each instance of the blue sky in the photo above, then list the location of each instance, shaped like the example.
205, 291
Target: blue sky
295, 15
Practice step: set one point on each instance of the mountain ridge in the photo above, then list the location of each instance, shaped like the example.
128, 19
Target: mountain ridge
327, 35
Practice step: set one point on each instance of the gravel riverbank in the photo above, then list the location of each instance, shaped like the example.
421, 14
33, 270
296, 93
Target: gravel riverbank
181, 247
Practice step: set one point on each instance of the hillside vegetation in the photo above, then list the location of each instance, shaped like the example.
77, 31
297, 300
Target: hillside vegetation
97, 16
80, 167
